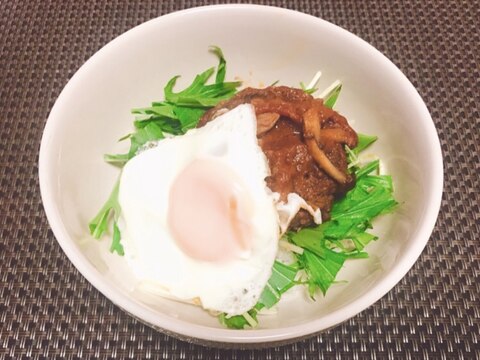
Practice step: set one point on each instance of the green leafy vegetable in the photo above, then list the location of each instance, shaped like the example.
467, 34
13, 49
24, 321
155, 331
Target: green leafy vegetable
331, 97
188, 117
238, 321
179, 112
364, 141
198, 93
98, 226
321, 270
312, 239
116, 159
116, 245
307, 89
312, 86
150, 132
222, 65
169, 124
367, 169
281, 280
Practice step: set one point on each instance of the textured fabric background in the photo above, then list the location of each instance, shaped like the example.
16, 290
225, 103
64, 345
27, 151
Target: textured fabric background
48, 310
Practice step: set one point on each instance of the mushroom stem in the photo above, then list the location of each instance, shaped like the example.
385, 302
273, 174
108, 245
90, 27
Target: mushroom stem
324, 162
311, 124
312, 134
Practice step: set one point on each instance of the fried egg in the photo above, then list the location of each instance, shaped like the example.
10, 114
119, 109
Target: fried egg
198, 221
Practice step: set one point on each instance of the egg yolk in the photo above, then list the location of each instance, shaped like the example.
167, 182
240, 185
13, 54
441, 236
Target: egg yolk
209, 212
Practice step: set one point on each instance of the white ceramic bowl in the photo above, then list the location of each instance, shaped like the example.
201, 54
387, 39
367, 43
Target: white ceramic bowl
262, 45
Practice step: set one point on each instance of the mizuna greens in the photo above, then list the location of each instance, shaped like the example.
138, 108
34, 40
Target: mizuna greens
179, 112
320, 252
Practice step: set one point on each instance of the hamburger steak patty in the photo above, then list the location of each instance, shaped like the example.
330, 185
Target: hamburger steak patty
280, 112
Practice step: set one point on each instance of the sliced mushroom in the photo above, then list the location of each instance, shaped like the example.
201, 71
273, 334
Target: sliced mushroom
266, 121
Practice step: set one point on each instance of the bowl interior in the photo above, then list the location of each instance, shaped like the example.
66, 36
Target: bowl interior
262, 45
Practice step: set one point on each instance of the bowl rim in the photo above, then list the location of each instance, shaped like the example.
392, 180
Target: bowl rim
219, 335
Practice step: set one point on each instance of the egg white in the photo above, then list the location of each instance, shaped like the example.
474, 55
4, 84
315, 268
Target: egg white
232, 286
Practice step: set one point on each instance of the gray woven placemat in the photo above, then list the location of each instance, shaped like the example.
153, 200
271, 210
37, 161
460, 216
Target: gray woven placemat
48, 310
